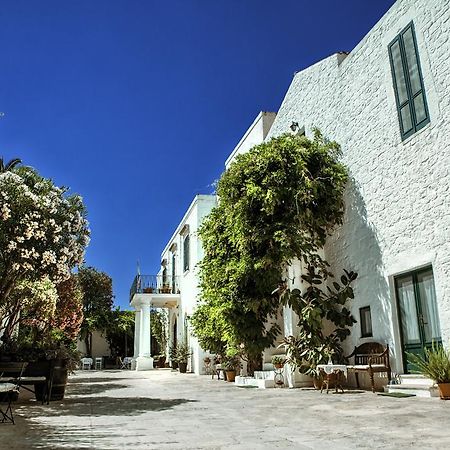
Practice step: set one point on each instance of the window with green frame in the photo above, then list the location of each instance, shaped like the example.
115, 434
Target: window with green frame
408, 82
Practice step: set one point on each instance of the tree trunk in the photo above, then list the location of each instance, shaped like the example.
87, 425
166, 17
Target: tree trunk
11, 323
88, 343
254, 363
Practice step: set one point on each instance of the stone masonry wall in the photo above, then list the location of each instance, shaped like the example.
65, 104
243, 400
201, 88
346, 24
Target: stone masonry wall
398, 201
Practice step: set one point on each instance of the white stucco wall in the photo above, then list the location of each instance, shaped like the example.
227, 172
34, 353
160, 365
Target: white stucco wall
254, 135
188, 280
397, 202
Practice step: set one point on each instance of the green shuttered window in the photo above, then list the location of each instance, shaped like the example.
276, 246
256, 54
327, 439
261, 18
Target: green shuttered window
408, 83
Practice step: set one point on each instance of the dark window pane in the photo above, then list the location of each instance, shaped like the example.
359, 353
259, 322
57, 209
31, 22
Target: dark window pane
406, 118
398, 71
407, 303
411, 57
366, 321
430, 316
186, 253
419, 107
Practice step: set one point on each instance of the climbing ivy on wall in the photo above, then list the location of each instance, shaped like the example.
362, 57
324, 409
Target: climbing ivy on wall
277, 202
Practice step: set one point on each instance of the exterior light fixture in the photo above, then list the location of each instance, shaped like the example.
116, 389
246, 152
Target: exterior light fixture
294, 126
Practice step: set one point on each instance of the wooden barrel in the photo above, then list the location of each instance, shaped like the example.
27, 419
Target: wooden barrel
59, 380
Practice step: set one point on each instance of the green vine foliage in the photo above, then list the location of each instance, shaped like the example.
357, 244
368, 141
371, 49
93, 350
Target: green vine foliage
314, 305
277, 202
159, 324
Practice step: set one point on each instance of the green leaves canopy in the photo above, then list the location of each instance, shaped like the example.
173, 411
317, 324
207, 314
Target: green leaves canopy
97, 302
277, 202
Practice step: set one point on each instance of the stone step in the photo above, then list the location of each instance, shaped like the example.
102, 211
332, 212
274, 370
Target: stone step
250, 381
418, 390
264, 374
416, 379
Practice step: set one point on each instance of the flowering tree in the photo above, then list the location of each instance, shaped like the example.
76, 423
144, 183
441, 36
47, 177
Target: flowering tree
43, 233
32, 303
69, 307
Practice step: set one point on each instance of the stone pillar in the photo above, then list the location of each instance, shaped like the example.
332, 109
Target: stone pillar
144, 360
137, 336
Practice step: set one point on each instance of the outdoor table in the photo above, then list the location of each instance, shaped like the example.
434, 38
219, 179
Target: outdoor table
333, 373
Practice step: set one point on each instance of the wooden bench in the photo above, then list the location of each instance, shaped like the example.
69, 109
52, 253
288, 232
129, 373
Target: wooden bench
370, 357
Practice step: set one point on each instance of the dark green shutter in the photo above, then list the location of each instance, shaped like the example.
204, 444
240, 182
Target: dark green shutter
408, 83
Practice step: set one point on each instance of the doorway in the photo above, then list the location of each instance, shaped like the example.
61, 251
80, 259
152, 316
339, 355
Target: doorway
417, 310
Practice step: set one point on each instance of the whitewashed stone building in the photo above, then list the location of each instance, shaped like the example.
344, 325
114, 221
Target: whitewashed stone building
175, 287
387, 103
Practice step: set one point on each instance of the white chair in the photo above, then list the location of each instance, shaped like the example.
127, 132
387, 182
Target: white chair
125, 363
86, 363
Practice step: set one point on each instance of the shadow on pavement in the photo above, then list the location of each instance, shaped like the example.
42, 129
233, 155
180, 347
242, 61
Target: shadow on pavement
103, 406
94, 388
77, 380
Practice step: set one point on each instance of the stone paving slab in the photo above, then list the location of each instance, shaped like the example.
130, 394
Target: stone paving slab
162, 409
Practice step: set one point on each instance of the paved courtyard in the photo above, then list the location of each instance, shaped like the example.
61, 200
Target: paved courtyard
163, 409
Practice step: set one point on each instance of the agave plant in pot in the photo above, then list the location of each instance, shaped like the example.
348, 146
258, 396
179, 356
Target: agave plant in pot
435, 364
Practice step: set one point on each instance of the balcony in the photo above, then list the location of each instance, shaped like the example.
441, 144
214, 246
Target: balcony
154, 284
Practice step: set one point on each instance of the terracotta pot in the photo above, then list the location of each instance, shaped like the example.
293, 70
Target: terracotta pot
231, 375
278, 366
444, 391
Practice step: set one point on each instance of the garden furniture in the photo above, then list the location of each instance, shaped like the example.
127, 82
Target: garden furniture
370, 357
125, 363
86, 363
10, 375
332, 374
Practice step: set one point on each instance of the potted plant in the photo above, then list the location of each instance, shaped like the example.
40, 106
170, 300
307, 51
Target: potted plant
166, 289
173, 356
305, 352
148, 290
435, 364
231, 364
183, 353
278, 361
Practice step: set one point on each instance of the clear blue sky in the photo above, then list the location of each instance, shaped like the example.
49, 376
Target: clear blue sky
135, 104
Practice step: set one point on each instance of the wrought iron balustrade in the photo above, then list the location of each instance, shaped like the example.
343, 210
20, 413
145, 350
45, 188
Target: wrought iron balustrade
154, 284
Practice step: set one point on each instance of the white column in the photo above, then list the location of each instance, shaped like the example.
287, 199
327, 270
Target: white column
144, 347
144, 360
137, 335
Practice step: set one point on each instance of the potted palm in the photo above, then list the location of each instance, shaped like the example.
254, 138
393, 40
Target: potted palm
435, 364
